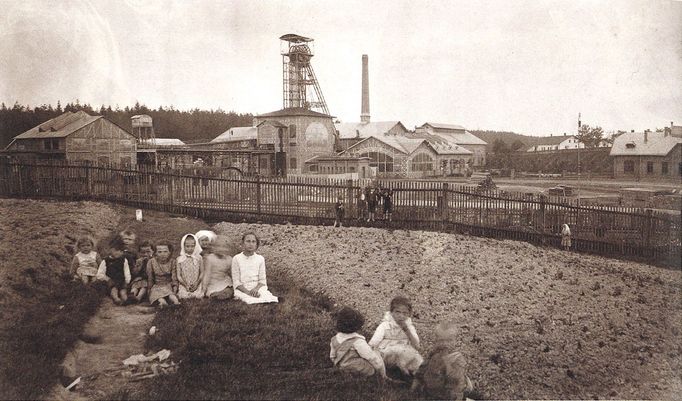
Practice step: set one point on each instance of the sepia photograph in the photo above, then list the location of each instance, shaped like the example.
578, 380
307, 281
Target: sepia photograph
340, 200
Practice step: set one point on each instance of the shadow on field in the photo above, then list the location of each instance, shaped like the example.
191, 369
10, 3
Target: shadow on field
230, 350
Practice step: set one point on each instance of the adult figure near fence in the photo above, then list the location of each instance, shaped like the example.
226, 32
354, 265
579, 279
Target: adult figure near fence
218, 273
362, 204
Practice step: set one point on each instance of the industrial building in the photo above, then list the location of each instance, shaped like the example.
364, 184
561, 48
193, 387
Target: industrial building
76, 137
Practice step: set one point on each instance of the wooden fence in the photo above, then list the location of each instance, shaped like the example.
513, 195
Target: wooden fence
614, 231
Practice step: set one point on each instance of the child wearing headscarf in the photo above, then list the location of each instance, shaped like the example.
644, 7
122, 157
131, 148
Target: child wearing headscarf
190, 268
205, 238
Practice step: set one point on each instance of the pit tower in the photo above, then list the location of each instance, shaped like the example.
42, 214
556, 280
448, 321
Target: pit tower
301, 89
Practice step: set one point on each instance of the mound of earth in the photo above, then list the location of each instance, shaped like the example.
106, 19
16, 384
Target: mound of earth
535, 322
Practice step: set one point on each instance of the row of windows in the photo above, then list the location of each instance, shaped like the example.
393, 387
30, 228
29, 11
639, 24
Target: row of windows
629, 167
332, 169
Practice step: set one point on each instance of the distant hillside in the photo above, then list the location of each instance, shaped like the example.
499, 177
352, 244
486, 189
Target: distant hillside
507, 137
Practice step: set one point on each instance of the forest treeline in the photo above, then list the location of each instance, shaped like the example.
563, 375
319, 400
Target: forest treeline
188, 125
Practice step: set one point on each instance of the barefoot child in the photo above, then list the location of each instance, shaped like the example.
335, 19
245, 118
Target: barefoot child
443, 375
161, 276
396, 338
115, 271
248, 273
349, 350
138, 287
85, 263
190, 267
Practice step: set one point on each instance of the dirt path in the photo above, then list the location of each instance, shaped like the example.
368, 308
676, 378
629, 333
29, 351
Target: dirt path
120, 333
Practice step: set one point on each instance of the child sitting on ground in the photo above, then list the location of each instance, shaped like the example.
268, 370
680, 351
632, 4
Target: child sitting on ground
349, 350
443, 375
248, 273
128, 237
205, 238
85, 263
190, 267
218, 270
138, 287
114, 269
396, 338
162, 276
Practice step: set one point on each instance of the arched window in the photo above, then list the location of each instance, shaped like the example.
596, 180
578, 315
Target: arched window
422, 162
380, 160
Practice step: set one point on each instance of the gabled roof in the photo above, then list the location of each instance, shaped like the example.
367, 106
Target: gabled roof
444, 126
168, 142
294, 111
551, 140
364, 130
632, 144
60, 126
463, 138
443, 145
237, 134
400, 143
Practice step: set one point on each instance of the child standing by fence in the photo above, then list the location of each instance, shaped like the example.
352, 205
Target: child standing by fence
362, 205
85, 262
339, 211
566, 237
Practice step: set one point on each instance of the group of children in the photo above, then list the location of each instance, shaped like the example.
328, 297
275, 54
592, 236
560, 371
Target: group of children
204, 268
395, 344
368, 200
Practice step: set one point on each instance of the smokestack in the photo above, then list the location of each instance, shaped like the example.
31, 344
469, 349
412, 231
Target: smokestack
646, 135
364, 112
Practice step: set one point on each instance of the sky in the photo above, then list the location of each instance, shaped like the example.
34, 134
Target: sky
523, 66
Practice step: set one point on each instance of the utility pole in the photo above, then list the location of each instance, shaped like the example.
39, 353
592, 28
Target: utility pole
579, 142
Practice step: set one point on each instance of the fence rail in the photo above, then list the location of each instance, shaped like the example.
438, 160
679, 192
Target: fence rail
637, 233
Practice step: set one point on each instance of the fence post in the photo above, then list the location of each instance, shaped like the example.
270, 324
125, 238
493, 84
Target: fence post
88, 179
542, 217
445, 205
350, 199
258, 202
648, 224
171, 191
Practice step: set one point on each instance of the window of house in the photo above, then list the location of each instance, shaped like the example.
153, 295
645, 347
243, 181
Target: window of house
292, 131
51, 144
664, 168
629, 166
422, 162
352, 169
380, 160
649, 167
292, 163
313, 167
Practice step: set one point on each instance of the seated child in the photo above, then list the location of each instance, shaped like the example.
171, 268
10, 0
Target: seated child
115, 271
396, 338
190, 267
162, 276
129, 237
138, 287
443, 374
85, 263
248, 273
349, 350
218, 273
205, 238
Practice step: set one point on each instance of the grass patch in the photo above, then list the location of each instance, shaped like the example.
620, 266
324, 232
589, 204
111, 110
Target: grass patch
35, 347
230, 350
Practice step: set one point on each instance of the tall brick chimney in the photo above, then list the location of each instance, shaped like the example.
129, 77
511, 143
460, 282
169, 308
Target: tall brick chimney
364, 112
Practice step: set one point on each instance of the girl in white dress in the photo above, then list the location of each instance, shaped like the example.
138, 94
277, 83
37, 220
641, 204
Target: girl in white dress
248, 273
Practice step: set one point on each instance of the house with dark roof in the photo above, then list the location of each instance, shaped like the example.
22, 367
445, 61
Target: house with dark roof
353, 132
76, 137
559, 142
648, 154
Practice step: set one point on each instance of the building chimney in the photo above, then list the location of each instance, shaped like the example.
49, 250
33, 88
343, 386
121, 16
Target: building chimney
646, 135
632, 130
364, 112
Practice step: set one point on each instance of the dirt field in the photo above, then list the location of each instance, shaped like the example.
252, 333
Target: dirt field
535, 323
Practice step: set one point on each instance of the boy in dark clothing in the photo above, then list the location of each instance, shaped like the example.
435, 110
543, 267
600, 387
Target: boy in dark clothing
340, 212
115, 270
